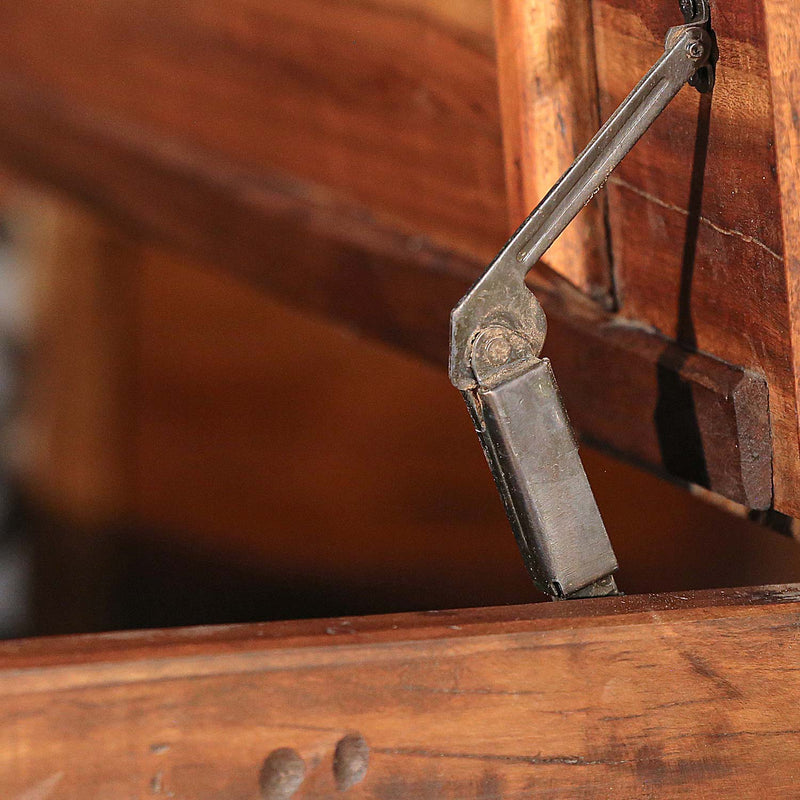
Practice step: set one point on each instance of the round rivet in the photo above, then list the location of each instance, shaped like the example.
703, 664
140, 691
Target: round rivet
498, 349
350, 761
281, 774
494, 346
695, 50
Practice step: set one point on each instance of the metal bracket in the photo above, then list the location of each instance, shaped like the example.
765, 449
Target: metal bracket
498, 330
697, 13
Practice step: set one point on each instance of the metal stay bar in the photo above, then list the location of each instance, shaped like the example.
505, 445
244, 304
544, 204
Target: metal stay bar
498, 330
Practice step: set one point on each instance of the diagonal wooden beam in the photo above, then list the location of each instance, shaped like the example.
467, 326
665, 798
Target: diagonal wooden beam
690, 416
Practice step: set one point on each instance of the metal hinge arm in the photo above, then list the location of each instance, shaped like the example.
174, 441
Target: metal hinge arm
497, 333
500, 294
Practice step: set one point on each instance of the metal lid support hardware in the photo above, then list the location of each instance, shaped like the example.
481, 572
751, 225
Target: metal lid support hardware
498, 330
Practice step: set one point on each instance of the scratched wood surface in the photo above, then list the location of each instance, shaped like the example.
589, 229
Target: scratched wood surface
648, 697
695, 210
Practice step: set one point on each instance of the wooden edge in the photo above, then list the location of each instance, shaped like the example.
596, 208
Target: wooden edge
550, 111
326, 255
652, 697
655, 697
782, 19
175, 643
630, 389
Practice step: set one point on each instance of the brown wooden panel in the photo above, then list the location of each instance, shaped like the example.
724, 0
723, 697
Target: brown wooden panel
315, 472
298, 240
695, 210
76, 413
548, 97
387, 446
633, 697
782, 19
393, 102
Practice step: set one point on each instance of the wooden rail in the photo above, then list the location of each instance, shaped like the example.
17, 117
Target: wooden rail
645, 697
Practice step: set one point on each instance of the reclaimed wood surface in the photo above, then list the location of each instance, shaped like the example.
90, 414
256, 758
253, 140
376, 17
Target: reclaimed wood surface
647, 697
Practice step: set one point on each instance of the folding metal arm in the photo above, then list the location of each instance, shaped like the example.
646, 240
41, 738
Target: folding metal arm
498, 329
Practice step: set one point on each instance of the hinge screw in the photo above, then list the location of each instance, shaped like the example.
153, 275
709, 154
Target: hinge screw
498, 350
695, 50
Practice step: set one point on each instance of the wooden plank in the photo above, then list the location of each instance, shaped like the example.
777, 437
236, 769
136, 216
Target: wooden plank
782, 22
301, 241
632, 390
75, 424
697, 245
548, 98
78, 368
209, 505
654, 697
391, 102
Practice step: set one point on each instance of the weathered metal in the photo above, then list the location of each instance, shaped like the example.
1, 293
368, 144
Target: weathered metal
498, 330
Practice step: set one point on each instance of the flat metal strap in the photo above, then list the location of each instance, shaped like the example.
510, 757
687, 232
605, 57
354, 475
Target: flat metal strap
534, 459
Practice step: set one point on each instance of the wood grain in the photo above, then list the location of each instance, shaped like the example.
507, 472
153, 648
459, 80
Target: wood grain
377, 476
633, 697
641, 395
391, 102
695, 209
782, 20
313, 249
548, 98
